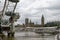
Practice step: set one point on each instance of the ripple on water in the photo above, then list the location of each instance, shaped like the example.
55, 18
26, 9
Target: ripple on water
32, 36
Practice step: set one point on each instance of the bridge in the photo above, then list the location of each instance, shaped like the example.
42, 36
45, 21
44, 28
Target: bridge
40, 30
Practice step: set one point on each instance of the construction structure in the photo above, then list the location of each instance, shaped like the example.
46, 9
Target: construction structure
13, 16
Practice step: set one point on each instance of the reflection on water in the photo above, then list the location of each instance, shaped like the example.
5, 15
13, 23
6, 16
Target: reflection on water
10, 38
31, 36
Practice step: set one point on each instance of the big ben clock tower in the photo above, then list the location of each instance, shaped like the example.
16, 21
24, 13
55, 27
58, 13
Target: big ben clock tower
42, 21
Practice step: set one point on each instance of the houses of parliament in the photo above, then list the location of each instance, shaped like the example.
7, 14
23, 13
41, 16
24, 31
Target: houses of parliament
29, 23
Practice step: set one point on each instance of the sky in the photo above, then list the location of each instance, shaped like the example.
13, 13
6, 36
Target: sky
34, 9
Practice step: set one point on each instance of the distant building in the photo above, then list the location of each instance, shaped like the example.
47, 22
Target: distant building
42, 21
26, 22
31, 24
23, 25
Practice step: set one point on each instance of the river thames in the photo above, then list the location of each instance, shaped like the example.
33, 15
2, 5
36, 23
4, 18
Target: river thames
32, 36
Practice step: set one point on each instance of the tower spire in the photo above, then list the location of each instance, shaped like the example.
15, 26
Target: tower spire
42, 21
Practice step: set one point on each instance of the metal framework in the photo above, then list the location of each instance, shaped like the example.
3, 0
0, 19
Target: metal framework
11, 14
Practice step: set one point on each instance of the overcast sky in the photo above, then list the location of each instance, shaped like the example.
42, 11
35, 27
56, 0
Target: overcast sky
33, 9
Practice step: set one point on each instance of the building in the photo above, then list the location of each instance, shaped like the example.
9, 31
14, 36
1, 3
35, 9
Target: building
31, 24
26, 22
42, 21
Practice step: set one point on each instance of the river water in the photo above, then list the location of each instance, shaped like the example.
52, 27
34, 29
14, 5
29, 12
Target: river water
32, 36
19, 35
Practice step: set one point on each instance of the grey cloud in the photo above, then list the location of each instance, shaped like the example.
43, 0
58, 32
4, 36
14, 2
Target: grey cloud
56, 14
50, 15
54, 8
27, 8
